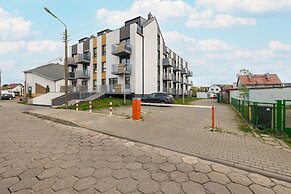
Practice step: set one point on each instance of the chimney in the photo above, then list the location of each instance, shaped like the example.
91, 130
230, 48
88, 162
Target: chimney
267, 75
150, 16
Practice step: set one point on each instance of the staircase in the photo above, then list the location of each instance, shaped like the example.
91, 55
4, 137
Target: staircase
91, 97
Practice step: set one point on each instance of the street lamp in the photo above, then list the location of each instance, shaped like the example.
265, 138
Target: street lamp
66, 56
124, 95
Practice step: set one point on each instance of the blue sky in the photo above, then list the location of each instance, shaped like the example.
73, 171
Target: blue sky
218, 38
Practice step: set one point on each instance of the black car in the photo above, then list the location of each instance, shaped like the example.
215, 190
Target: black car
6, 97
158, 98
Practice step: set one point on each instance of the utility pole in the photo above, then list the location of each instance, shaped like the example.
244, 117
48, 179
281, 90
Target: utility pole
0, 84
124, 95
66, 56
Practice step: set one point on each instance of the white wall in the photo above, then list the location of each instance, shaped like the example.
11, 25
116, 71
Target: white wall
150, 57
265, 95
202, 95
58, 85
112, 38
31, 79
46, 99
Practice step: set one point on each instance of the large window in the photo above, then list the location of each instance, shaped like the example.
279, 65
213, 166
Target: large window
103, 66
127, 80
84, 83
103, 81
113, 81
124, 60
104, 50
94, 52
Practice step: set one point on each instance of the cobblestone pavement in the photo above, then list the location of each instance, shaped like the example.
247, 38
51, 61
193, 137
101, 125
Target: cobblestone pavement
44, 157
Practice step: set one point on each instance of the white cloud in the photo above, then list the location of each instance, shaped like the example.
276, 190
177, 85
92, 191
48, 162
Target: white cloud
209, 19
13, 27
164, 10
45, 45
276, 45
7, 65
11, 46
214, 45
252, 6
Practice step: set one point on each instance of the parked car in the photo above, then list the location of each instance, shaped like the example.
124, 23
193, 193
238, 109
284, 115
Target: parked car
158, 98
6, 92
6, 97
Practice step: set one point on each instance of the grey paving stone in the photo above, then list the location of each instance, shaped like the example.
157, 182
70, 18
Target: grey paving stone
140, 174
49, 173
216, 188
261, 180
170, 187
143, 159
238, 189
84, 172
84, 184
117, 165
121, 174
23, 184
86, 164
8, 182
239, 178
221, 168
30, 173
151, 166
191, 187
258, 189
218, 178
46, 191
4, 191
159, 159
168, 167
52, 164
133, 166
189, 160
127, 185
102, 172
148, 186
24, 191
105, 184
65, 183
13, 172
279, 189
198, 177
178, 176
201, 167
174, 159
67, 172
44, 184
183, 167
160, 176
283, 183
68, 164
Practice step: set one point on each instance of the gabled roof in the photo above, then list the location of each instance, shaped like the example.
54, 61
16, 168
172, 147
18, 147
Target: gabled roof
260, 79
51, 71
11, 86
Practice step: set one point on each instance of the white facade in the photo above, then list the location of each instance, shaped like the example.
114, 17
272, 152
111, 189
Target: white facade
213, 91
139, 45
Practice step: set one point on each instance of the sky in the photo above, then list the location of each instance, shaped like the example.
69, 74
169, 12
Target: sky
217, 37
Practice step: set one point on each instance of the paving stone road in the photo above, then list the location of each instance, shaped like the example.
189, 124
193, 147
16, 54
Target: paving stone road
44, 157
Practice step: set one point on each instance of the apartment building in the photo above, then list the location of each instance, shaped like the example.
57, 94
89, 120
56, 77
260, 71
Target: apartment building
132, 59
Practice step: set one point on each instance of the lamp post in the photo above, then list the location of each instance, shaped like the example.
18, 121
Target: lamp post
66, 56
124, 95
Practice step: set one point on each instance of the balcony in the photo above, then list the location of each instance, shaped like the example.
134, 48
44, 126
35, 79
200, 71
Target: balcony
121, 49
114, 89
184, 71
177, 67
118, 69
189, 73
83, 74
71, 76
167, 77
79, 58
176, 79
168, 62
190, 83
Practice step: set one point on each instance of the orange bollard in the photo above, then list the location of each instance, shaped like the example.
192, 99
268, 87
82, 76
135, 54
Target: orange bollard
136, 109
212, 117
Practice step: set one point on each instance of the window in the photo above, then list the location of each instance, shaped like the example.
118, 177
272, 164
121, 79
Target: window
113, 81
84, 83
94, 52
103, 81
94, 68
127, 80
159, 55
103, 66
127, 41
74, 84
159, 39
104, 50
216, 89
94, 84
124, 60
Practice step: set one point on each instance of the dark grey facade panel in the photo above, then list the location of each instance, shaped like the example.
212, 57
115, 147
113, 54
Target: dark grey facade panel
86, 45
139, 20
124, 32
74, 49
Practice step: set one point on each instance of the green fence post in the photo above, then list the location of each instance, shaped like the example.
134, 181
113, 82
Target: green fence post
279, 115
274, 116
255, 114
284, 115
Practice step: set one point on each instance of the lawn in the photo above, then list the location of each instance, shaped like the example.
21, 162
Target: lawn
187, 100
101, 103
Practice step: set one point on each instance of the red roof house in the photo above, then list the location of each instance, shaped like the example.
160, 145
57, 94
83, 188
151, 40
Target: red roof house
259, 81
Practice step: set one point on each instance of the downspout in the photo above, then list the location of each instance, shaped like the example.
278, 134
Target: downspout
142, 65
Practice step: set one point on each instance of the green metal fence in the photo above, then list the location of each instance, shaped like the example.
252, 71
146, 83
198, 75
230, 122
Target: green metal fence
287, 116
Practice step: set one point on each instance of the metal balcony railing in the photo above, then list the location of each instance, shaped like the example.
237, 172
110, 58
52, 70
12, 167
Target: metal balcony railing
83, 74
184, 71
176, 79
79, 58
120, 69
189, 73
168, 62
177, 67
71, 76
114, 89
167, 77
121, 49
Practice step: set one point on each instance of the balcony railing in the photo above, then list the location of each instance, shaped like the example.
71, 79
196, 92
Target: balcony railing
79, 58
176, 79
114, 89
184, 71
190, 82
189, 73
118, 69
168, 62
83, 74
72, 61
177, 67
71, 76
121, 49
167, 77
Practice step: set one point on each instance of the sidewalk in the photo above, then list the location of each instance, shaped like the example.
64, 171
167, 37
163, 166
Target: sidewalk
233, 149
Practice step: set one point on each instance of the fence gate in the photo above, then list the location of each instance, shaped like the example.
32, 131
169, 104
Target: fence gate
287, 116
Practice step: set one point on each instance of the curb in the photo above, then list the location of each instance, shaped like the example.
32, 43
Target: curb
211, 159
